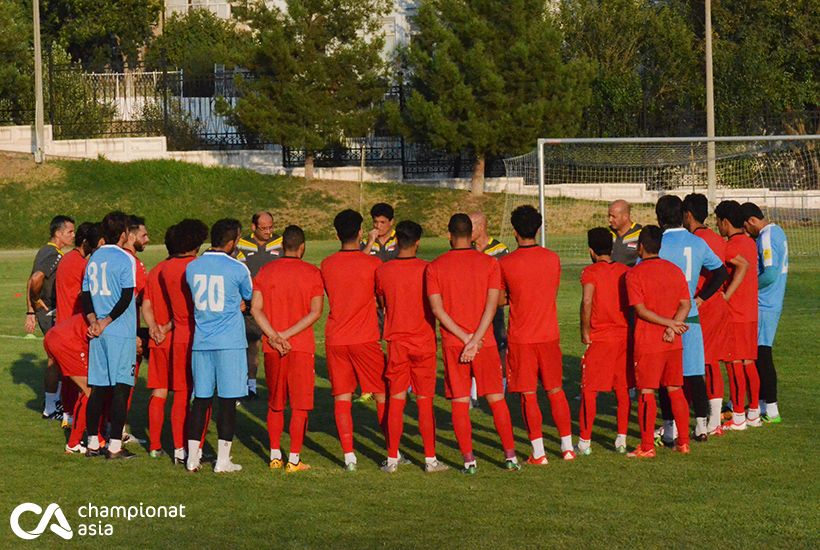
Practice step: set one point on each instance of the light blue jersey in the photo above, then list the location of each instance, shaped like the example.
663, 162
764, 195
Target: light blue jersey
218, 285
690, 253
110, 269
772, 267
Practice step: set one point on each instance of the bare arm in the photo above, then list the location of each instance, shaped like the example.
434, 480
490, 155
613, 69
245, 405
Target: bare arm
257, 311
675, 323
316, 305
741, 267
586, 313
155, 331
474, 344
34, 286
437, 306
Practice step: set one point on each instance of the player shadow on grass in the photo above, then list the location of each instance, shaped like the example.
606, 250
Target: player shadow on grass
28, 369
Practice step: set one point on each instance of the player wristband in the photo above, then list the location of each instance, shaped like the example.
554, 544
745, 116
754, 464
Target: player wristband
30, 313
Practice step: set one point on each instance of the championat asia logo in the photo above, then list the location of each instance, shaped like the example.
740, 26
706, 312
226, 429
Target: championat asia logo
53, 518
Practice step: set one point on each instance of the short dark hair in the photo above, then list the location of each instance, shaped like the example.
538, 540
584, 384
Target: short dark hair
731, 211
460, 225
82, 231
189, 235
292, 238
114, 224
408, 233
650, 238
134, 222
347, 223
171, 242
57, 223
225, 231
669, 211
751, 210
382, 209
257, 215
526, 221
698, 205
599, 240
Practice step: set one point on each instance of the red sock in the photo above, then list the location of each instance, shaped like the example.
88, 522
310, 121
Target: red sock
344, 424
622, 395
156, 418
647, 411
205, 428
381, 418
427, 425
503, 424
532, 415
298, 427
714, 381
680, 411
754, 384
179, 416
737, 386
69, 393
395, 426
586, 415
276, 423
463, 428
78, 426
560, 412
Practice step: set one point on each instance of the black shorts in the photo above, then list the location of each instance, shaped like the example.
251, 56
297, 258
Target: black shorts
45, 320
252, 330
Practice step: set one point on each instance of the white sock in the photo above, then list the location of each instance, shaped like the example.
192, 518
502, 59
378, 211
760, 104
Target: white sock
193, 453
50, 403
700, 425
566, 443
474, 391
513, 459
93, 442
538, 447
620, 440
738, 418
584, 444
293, 458
350, 458
430, 460
471, 463
771, 410
753, 414
223, 452
715, 406
179, 454
252, 384
392, 460
276, 454
114, 445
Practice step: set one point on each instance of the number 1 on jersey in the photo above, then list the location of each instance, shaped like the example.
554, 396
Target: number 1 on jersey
687, 252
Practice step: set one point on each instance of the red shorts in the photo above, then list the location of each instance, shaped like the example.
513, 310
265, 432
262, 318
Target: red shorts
527, 363
158, 366
290, 379
660, 368
603, 366
407, 366
170, 368
71, 363
485, 368
361, 364
745, 341
718, 337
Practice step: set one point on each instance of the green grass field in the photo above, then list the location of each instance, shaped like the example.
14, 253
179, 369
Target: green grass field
755, 489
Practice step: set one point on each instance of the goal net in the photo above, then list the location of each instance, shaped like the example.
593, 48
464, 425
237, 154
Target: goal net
580, 177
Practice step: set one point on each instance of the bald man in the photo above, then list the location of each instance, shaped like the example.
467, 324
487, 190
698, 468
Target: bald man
256, 250
625, 233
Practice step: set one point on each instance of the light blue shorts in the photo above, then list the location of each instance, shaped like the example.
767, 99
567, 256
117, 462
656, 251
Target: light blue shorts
694, 360
767, 326
225, 370
111, 360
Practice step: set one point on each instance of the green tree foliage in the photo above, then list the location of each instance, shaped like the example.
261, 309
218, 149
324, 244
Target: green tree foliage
195, 42
488, 77
16, 61
317, 72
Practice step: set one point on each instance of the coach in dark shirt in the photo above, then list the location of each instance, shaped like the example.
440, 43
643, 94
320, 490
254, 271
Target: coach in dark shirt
625, 233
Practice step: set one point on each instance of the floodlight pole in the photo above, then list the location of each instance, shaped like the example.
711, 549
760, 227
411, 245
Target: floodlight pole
541, 204
710, 108
39, 139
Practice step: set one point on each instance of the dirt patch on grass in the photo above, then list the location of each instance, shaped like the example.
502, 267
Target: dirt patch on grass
20, 168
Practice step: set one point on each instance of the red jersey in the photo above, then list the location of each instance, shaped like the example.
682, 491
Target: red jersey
743, 303
159, 304
178, 297
660, 286
610, 303
70, 335
142, 276
530, 275
408, 318
349, 277
288, 285
718, 246
462, 277
69, 284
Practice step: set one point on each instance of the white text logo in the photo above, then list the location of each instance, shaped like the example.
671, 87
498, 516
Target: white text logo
60, 527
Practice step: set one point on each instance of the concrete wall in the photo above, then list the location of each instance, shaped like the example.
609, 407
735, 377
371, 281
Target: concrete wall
20, 139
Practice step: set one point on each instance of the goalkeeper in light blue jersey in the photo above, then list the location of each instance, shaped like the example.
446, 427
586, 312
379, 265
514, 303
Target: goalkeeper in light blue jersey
691, 254
773, 271
219, 283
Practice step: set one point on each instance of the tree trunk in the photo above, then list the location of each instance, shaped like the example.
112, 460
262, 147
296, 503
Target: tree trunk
308, 166
477, 181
